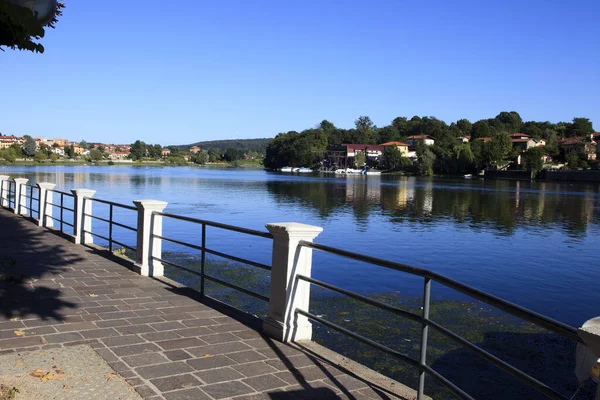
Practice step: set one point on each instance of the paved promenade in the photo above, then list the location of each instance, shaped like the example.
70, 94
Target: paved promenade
160, 338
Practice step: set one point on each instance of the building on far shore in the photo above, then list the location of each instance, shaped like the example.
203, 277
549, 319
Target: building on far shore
403, 147
194, 149
165, 152
416, 139
343, 155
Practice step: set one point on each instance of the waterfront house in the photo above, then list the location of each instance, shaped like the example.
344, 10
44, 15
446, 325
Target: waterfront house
585, 147
403, 147
425, 139
522, 144
463, 139
194, 149
118, 155
484, 139
165, 152
7, 141
343, 155
58, 151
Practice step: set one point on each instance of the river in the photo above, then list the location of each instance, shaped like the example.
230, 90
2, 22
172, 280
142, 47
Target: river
532, 243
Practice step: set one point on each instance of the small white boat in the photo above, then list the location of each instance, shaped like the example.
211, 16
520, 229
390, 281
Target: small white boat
468, 176
373, 173
295, 169
304, 170
285, 169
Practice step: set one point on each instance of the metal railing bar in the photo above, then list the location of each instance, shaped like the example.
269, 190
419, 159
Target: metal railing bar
124, 245
52, 218
360, 338
68, 209
68, 224
238, 259
212, 278
529, 380
375, 303
238, 288
446, 383
124, 226
192, 246
60, 192
132, 208
511, 308
176, 265
96, 235
98, 218
217, 225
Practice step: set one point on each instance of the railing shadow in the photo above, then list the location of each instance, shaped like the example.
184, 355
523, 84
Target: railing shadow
27, 255
546, 356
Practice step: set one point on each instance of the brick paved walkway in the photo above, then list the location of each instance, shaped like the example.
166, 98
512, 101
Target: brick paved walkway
166, 344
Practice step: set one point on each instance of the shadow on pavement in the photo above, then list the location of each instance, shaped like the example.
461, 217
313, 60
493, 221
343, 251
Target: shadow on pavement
29, 259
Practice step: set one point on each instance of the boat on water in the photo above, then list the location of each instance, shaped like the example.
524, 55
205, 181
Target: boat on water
295, 169
468, 176
285, 169
348, 171
372, 173
304, 170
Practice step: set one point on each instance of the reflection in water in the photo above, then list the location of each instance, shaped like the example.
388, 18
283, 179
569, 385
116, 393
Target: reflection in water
533, 243
501, 205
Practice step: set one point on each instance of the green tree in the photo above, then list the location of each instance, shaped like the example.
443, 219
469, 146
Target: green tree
360, 159
533, 159
96, 155
425, 160
232, 154
138, 150
53, 157
393, 160
498, 149
29, 147
200, 157
579, 127
572, 160
40, 156
365, 128
465, 127
21, 29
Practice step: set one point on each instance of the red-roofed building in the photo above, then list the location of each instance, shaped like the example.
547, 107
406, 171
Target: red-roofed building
416, 139
343, 156
484, 139
403, 147
578, 144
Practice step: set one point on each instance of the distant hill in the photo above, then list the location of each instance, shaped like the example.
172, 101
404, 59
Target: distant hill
257, 145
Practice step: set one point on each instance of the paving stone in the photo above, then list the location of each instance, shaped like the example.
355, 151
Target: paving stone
215, 349
176, 382
210, 362
135, 349
76, 327
160, 370
198, 322
167, 326
246, 356
219, 375
111, 323
63, 337
177, 355
160, 336
254, 369
228, 389
265, 382
145, 391
180, 343
140, 360
122, 340
220, 338
100, 333
144, 320
130, 329
187, 394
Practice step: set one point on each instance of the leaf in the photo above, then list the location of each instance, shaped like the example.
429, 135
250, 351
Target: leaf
38, 373
14, 319
43, 341
207, 355
93, 295
66, 387
19, 333
47, 377
19, 364
84, 379
109, 378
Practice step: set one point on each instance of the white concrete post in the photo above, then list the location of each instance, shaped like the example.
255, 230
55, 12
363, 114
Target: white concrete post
45, 209
4, 190
19, 194
149, 246
288, 293
81, 222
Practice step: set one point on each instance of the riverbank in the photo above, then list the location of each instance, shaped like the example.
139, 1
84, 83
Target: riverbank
107, 163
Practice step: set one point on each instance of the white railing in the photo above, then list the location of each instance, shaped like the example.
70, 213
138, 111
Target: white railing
288, 318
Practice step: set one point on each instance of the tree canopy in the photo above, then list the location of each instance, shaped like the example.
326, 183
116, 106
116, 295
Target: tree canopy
20, 29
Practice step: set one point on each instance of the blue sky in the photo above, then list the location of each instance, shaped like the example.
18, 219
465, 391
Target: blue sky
180, 72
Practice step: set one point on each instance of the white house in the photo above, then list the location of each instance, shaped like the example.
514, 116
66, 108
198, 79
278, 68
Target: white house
416, 139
